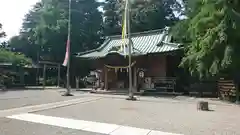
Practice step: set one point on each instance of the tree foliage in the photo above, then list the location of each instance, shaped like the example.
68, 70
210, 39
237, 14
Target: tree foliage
2, 33
6, 56
13, 58
44, 30
3, 44
112, 20
145, 15
211, 35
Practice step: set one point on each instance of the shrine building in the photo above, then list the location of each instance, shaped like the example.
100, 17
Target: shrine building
155, 60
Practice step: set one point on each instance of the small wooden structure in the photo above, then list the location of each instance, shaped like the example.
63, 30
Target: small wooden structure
2, 76
48, 64
13, 71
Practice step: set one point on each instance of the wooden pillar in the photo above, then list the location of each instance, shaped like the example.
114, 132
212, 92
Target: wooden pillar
237, 94
135, 78
21, 74
44, 76
77, 82
106, 78
59, 71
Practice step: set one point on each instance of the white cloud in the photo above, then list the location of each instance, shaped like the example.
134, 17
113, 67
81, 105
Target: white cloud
12, 13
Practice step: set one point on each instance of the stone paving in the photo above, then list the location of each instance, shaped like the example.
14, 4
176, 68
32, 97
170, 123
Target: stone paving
47, 106
13, 99
166, 115
16, 127
175, 115
15, 102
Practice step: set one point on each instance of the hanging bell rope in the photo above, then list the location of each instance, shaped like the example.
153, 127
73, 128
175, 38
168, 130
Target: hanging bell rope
108, 66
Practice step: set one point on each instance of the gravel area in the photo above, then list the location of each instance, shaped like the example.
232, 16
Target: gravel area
168, 115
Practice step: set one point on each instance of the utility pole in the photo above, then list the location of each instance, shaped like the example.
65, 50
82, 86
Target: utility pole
130, 44
68, 92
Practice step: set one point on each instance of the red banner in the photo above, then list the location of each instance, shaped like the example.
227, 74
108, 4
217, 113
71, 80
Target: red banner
67, 53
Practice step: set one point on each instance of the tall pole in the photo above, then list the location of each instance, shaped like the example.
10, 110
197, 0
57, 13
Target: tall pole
38, 55
69, 54
59, 75
44, 76
37, 74
131, 96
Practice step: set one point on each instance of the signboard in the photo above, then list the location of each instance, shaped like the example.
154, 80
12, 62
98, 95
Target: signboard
164, 83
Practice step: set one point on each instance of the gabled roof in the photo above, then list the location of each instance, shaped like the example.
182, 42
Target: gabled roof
155, 41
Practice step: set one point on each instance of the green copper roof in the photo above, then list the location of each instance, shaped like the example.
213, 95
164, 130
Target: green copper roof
156, 41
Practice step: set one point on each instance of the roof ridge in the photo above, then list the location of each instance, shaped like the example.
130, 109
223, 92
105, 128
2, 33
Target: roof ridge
107, 40
142, 33
96, 49
172, 44
85, 52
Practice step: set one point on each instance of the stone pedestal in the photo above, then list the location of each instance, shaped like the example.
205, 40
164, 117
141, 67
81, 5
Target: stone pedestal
202, 105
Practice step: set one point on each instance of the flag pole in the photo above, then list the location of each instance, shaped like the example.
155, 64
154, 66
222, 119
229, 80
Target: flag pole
68, 92
131, 95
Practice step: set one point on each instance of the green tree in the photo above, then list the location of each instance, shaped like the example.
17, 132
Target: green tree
213, 36
145, 15
154, 14
112, 18
22, 44
7, 56
14, 58
2, 33
27, 42
44, 28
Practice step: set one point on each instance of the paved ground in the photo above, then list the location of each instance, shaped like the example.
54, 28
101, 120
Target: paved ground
176, 115
164, 115
16, 127
12, 99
